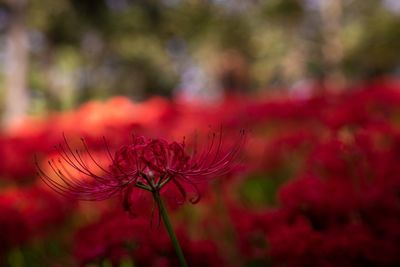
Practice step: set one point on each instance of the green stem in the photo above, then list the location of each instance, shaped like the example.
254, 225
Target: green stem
170, 230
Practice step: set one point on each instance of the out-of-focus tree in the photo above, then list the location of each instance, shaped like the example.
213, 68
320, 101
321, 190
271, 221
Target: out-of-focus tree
81, 49
376, 48
16, 61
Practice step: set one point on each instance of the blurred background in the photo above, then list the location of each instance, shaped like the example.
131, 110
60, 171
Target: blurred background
55, 55
315, 83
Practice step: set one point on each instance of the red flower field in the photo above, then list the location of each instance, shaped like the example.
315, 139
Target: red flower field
314, 182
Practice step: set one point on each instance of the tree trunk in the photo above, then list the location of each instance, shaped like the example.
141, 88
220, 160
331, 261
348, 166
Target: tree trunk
332, 47
16, 97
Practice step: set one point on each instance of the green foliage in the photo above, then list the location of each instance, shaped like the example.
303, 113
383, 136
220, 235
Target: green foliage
123, 46
260, 189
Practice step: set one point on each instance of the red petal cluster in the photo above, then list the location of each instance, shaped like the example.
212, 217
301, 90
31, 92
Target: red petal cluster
28, 212
145, 164
116, 237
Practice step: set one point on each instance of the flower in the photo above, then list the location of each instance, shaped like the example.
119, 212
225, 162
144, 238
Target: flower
143, 165
28, 213
115, 237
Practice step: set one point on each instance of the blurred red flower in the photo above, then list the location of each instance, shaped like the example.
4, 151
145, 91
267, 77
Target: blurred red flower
116, 237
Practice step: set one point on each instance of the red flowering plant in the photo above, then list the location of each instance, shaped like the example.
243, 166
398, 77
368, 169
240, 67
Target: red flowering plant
145, 167
117, 238
28, 213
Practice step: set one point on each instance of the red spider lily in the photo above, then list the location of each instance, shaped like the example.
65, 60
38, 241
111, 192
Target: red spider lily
147, 164
28, 213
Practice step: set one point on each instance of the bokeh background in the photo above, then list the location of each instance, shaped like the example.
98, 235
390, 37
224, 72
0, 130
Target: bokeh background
57, 55
315, 84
